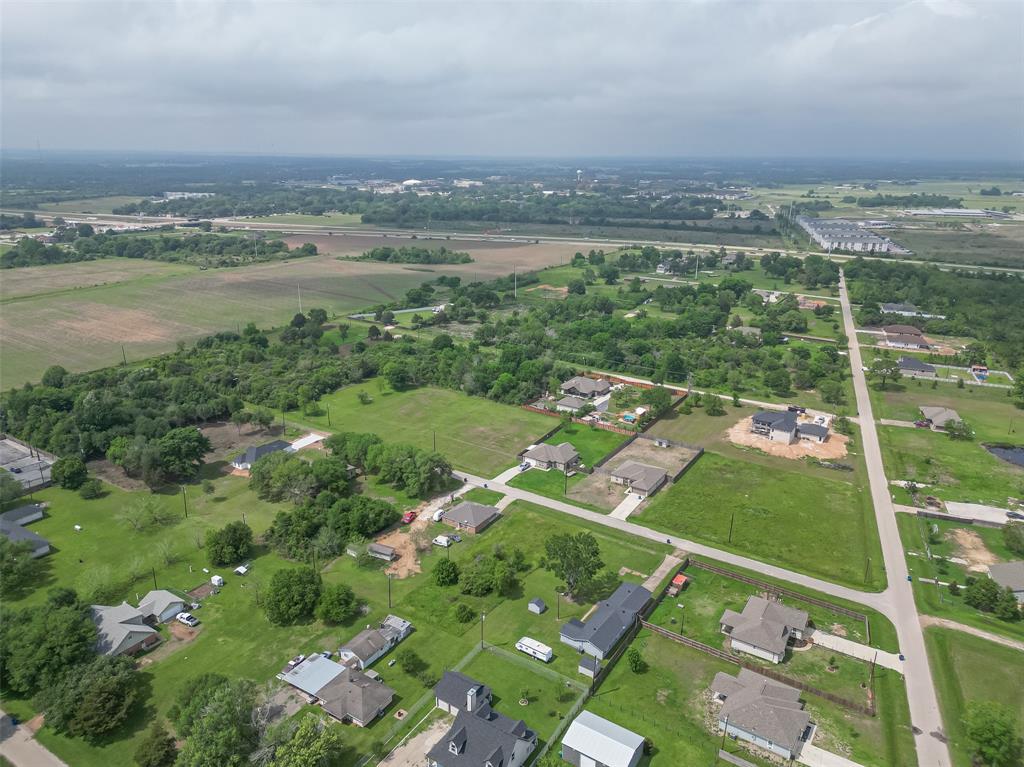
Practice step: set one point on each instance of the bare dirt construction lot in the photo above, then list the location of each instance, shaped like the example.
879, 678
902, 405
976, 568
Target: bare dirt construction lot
410, 753
407, 541
834, 447
228, 440
970, 547
598, 489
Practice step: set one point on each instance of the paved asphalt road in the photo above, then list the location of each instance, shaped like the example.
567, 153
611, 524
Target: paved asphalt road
924, 703
20, 748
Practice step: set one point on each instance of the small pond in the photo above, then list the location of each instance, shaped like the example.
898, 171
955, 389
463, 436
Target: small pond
1010, 453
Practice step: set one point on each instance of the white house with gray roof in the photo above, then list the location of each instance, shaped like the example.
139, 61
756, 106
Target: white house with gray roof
592, 741
785, 426
640, 478
915, 368
371, 643
763, 712
764, 629
481, 737
122, 630
563, 457
1009, 575
12, 527
598, 635
160, 606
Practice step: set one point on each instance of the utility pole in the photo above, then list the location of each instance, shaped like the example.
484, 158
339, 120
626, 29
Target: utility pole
389, 590
328, 415
184, 500
299, 289
123, 355
732, 518
482, 617
515, 283
154, 578
558, 605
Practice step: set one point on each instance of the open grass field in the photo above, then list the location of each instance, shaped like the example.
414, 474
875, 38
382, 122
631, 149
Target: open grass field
818, 526
968, 669
667, 703
988, 244
591, 443
990, 412
948, 469
552, 484
66, 279
328, 219
476, 434
918, 537
89, 205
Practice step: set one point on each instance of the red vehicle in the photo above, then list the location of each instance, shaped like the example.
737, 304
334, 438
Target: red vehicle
408, 517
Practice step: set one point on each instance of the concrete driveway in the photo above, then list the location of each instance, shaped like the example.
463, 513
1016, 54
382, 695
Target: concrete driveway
19, 746
813, 756
857, 650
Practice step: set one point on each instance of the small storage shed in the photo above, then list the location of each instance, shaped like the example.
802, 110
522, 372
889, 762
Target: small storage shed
537, 606
589, 666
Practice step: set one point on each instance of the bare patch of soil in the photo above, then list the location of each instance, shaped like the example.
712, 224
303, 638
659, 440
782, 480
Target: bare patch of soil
113, 324
410, 753
408, 541
834, 447
227, 440
628, 571
108, 472
837, 629
971, 548
562, 292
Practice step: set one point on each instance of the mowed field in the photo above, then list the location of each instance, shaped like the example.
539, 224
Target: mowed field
65, 314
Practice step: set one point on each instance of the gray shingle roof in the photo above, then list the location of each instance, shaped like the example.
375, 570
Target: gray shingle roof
366, 644
762, 707
454, 685
915, 365
156, 602
1008, 574
354, 695
939, 416
480, 737
908, 330
814, 429
256, 452
12, 525
764, 624
114, 624
573, 403
641, 476
561, 453
587, 387
776, 419
610, 619
471, 514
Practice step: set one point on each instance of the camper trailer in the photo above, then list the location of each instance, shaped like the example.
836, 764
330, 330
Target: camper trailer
535, 649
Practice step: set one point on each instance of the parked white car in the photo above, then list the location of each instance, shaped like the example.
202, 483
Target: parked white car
188, 619
442, 540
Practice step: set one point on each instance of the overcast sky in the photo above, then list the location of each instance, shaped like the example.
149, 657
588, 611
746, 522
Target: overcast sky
928, 78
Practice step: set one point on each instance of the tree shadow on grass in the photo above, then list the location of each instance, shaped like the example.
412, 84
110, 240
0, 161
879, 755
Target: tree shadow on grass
599, 587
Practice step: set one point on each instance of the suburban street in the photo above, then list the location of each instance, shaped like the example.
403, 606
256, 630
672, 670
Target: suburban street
924, 703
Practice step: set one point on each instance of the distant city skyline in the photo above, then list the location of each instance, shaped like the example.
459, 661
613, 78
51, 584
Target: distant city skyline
918, 80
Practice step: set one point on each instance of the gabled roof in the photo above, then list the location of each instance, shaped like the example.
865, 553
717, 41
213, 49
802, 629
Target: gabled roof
899, 308
907, 330
471, 514
480, 737
365, 644
1008, 575
610, 618
784, 420
764, 624
605, 741
915, 365
641, 476
813, 429
907, 340
586, 386
256, 452
561, 453
156, 602
354, 695
757, 705
939, 416
454, 685
11, 525
380, 548
312, 674
573, 403
115, 624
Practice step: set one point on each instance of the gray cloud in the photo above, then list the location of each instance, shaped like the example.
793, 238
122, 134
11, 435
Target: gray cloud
926, 78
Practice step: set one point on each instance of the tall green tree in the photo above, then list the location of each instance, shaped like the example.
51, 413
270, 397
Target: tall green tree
231, 544
69, 472
292, 595
575, 558
312, 744
224, 736
992, 731
93, 700
18, 569
157, 749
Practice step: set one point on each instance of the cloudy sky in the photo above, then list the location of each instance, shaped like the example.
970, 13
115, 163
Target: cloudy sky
925, 78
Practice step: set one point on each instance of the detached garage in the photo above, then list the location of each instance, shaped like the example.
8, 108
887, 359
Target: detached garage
592, 741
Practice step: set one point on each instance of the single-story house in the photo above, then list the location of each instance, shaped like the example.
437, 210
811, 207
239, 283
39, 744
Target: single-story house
906, 310
479, 736
457, 692
588, 666
122, 630
581, 386
470, 516
763, 712
592, 741
569, 404
562, 457
901, 330
536, 606
906, 341
161, 606
939, 417
1009, 575
380, 551
785, 426
345, 693
609, 621
640, 478
244, 461
370, 644
764, 629
12, 527
915, 368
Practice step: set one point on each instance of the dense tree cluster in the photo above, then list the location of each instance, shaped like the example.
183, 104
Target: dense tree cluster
975, 304
321, 531
414, 254
210, 250
914, 200
23, 221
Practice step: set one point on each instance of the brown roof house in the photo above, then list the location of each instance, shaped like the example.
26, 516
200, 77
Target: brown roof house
764, 629
763, 712
347, 694
470, 516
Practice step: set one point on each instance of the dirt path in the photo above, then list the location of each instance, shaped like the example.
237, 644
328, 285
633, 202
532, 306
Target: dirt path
834, 447
931, 620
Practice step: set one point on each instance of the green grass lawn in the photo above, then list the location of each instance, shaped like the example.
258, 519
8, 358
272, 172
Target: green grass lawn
990, 412
104, 205
476, 434
591, 443
948, 469
484, 496
818, 526
967, 669
328, 219
552, 484
933, 599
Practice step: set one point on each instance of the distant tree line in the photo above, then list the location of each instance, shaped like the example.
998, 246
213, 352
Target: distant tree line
413, 254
